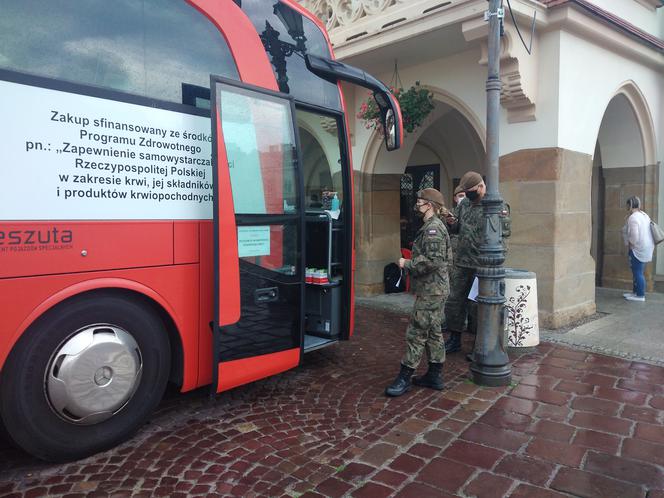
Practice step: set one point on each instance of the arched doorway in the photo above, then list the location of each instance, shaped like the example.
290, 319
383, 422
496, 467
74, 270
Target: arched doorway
318, 177
623, 165
444, 151
436, 154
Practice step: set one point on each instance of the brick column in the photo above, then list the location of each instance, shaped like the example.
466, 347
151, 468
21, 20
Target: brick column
549, 193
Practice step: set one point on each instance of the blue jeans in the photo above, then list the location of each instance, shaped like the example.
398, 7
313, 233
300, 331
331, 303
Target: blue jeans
639, 281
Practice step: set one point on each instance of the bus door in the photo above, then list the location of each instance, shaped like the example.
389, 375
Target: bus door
258, 233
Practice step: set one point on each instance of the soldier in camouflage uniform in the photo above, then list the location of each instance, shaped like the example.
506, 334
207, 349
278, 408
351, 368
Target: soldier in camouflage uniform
467, 225
459, 196
429, 276
452, 216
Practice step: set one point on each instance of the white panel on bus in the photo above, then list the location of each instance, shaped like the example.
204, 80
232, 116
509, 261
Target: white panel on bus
75, 157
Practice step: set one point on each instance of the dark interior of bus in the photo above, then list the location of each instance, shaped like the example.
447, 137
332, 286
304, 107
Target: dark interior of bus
323, 311
324, 188
287, 36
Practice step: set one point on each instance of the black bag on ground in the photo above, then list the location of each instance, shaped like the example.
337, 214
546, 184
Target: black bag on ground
393, 279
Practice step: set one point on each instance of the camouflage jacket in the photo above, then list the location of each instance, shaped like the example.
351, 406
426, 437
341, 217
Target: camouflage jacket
454, 237
469, 232
432, 253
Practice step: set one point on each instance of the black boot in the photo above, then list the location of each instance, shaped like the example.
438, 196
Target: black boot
432, 379
402, 383
453, 344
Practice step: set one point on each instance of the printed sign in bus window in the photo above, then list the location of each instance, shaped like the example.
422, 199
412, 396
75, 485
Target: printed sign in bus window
253, 241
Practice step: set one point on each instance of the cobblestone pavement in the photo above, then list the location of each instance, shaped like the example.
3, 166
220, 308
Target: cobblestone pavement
630, 330
573, 423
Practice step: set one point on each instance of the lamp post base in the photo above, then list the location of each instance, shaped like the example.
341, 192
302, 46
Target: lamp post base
484, 375
491, 364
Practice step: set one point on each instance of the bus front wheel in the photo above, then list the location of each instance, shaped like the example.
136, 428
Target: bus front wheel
84, 377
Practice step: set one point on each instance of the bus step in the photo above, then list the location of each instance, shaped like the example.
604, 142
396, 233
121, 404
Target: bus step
312, 342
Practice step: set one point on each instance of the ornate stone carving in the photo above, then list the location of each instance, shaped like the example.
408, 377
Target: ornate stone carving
513, 97
347, 20
518, 70
347, 11
321, 9
372, 7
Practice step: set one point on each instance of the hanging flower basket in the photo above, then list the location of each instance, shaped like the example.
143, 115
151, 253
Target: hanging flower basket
416, 104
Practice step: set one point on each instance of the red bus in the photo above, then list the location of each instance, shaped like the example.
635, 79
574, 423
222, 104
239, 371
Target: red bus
177, 205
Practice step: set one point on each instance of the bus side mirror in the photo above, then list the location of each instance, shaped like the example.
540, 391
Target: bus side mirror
390, 113
389, 110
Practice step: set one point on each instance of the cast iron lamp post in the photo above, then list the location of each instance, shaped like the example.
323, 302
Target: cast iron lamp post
294, 24
280, 50
490, 366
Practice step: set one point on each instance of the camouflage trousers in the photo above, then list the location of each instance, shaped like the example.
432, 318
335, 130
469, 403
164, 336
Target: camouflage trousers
424, 332
456, 307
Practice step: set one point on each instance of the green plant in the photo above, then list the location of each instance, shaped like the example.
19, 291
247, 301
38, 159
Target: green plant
416, 104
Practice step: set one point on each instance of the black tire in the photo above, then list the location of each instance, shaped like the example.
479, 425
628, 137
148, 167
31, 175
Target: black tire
4, 435
26, 412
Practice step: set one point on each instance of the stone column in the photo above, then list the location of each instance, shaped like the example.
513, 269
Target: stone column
377, 230
548, 191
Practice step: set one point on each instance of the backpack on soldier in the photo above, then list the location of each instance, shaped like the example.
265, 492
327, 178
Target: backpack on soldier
393, 279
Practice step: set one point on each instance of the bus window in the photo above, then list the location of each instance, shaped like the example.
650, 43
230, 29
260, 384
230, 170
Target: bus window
150, 48
286, 46
260, 146
262, 159
321, 159
272, 247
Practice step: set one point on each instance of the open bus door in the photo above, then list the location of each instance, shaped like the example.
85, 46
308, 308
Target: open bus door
260, 229
258, 234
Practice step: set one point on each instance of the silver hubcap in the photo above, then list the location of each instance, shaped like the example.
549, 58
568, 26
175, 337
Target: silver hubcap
93, 374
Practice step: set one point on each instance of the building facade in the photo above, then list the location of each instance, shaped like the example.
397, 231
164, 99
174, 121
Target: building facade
582, 129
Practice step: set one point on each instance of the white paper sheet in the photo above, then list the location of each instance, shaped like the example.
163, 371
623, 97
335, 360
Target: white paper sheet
472, 295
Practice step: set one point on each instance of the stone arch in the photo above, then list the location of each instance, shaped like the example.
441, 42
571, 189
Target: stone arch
377, 183
375, 142
440, 151
317, 158
624, 164
364, 224
630, 90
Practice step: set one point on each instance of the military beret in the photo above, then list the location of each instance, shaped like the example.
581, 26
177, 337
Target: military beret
431, 195
470, 180
458, 189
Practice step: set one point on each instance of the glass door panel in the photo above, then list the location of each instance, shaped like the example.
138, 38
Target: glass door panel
261, 153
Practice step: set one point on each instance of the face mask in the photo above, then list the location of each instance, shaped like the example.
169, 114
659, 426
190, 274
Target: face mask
473, 196
419, 213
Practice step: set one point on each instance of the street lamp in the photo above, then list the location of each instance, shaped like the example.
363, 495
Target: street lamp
294, 24
490, 366
280, 50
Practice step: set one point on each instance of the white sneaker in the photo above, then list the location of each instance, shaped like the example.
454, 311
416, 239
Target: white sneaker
628, 294
635, 298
